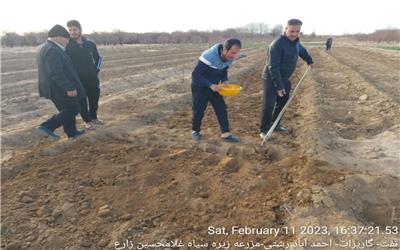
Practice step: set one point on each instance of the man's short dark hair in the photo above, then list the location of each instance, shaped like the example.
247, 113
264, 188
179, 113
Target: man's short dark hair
74, 23
228, 44
294, 22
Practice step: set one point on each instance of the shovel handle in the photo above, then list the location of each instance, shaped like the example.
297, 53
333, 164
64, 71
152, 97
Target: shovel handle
269, 133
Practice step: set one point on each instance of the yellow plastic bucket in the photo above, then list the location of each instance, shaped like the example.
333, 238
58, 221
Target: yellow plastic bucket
231, 89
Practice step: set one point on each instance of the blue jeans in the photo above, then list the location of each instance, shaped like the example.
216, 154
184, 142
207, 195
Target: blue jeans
272, 104
200, 98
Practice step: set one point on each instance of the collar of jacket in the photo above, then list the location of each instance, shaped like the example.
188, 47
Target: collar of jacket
57, 44
290, 41
84, 39
220, 48
212, 57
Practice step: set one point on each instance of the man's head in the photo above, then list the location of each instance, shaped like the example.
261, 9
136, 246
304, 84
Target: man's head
292, 30
59, 34
231, 48
75, 29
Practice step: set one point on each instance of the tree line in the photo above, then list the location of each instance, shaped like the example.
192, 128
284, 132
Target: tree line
383, 35
253, 32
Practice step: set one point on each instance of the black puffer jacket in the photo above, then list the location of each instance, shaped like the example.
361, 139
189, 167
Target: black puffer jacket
282, 59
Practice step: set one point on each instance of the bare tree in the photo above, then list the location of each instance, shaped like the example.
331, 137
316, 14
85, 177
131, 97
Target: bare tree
255, 28
277, 30
164, 38
11, 39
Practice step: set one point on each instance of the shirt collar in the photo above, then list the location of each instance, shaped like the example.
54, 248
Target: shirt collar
59, 45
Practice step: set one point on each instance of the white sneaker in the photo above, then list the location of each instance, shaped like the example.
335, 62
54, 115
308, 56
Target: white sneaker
263, 135
89, 125
97, 122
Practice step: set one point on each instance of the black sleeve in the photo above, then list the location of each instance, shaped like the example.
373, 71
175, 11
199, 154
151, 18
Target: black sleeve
225, 74
303, 53
96, 57
54, 67
274, 65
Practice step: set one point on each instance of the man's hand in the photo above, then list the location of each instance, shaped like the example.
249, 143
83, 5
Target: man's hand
281, 92
311, 65
215, 87
72, 93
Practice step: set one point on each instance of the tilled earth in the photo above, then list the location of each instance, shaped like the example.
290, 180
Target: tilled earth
141, 178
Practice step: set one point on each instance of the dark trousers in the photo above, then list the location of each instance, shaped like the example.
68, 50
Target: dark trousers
68, 110
200, 97
272, 104
90, 104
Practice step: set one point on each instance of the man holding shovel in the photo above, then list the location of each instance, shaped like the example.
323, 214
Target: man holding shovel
210, 72
281, 64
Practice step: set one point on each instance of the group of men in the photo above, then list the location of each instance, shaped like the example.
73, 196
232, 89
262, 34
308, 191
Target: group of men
69, 63
210, 74
68, 68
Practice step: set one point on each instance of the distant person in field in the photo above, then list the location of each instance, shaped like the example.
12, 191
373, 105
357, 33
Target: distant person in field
281, 63
59, 82
87, 62
328, 43
208, 75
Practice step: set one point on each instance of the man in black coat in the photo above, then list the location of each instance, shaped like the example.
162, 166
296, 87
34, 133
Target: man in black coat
59, 82
328, 43
87, 62
281, 64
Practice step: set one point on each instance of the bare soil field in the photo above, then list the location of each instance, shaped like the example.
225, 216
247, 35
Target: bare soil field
141, 178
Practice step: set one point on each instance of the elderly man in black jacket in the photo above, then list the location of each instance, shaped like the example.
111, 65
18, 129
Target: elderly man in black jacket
59, 82
281, 63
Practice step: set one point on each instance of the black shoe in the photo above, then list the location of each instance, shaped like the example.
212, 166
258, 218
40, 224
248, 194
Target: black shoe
77, 134
231, 138
47, 132
281, 129
196, 136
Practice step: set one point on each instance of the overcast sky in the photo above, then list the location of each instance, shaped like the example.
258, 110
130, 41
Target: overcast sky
324, 17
